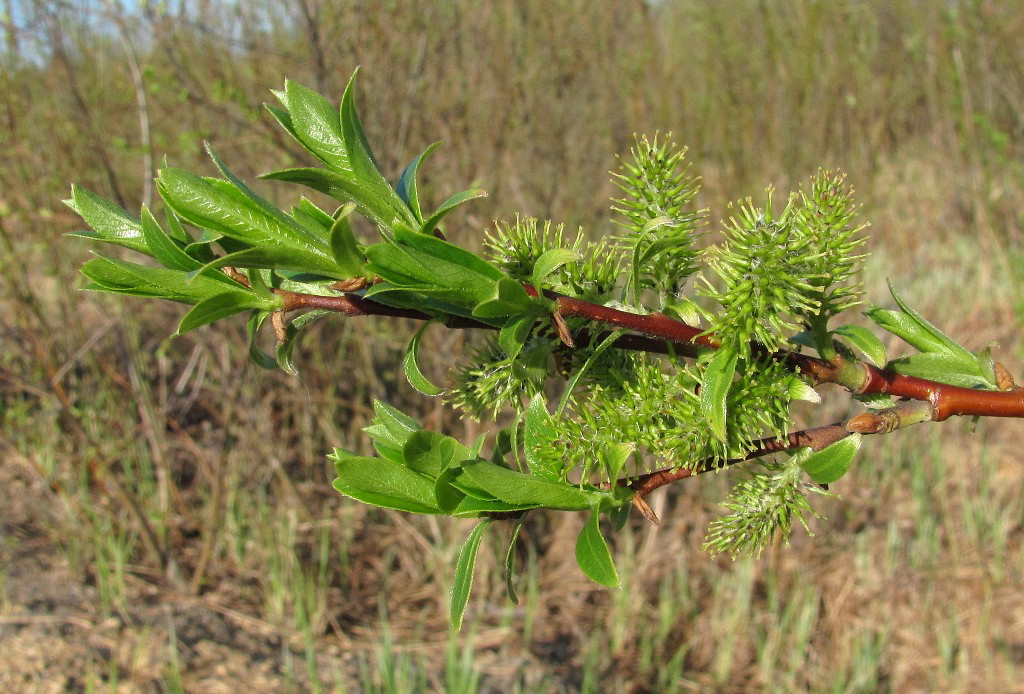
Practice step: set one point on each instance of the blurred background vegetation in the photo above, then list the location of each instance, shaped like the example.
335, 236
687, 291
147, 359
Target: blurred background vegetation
167, 520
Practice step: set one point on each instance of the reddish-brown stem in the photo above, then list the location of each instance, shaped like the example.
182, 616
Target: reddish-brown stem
654, 332
816, 438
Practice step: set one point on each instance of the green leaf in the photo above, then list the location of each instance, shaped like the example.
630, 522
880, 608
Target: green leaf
406, 185
508, 298
427, 228
412, 370
567, 393
943, 368
109, 223
593, 556
474, 507
539, 428
463, 582
510, 559
832, 462
865, 341
935, 335
514, 335
526, 490
257, 355
376, 203
237, 213
715, 390
338, 140
431, 453
315, 124
987, 366
382, 482
122, 277
614, 456
286, 348
447, 494
549, 261
217, 307
166, 251
390, 428
428, 265
344, 246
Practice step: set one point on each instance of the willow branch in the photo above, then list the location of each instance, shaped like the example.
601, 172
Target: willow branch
817, 438
655, 332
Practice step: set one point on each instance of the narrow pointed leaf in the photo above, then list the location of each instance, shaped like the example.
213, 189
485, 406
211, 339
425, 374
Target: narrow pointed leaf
406, 186
517, 488
215, 308
510, 558
257, 355
166, 251
539, 429
108, 222
865, 341
715, 390
463, 582
412, 369
447, 206
344, 246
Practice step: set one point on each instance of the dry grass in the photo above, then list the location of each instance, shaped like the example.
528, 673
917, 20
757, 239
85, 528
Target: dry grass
255, 573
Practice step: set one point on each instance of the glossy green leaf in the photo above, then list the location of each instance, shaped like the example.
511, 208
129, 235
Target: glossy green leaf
507, 298
286, 348
412, 369
384, 483
109, 223
614, 456
216, 307
447, 206
475, 507
434, 267
514, 335
943, 368
519, 489
166, 251
447, 494
538, 430
431, 453
832, 462
257, 355
315, 124
548, 262
463, 582
373, 203
598, 351
347, 254
390, 427
593, 556
406, 186
714, 390
122, 277
510, 560
865, 341
226, 210
925, 328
